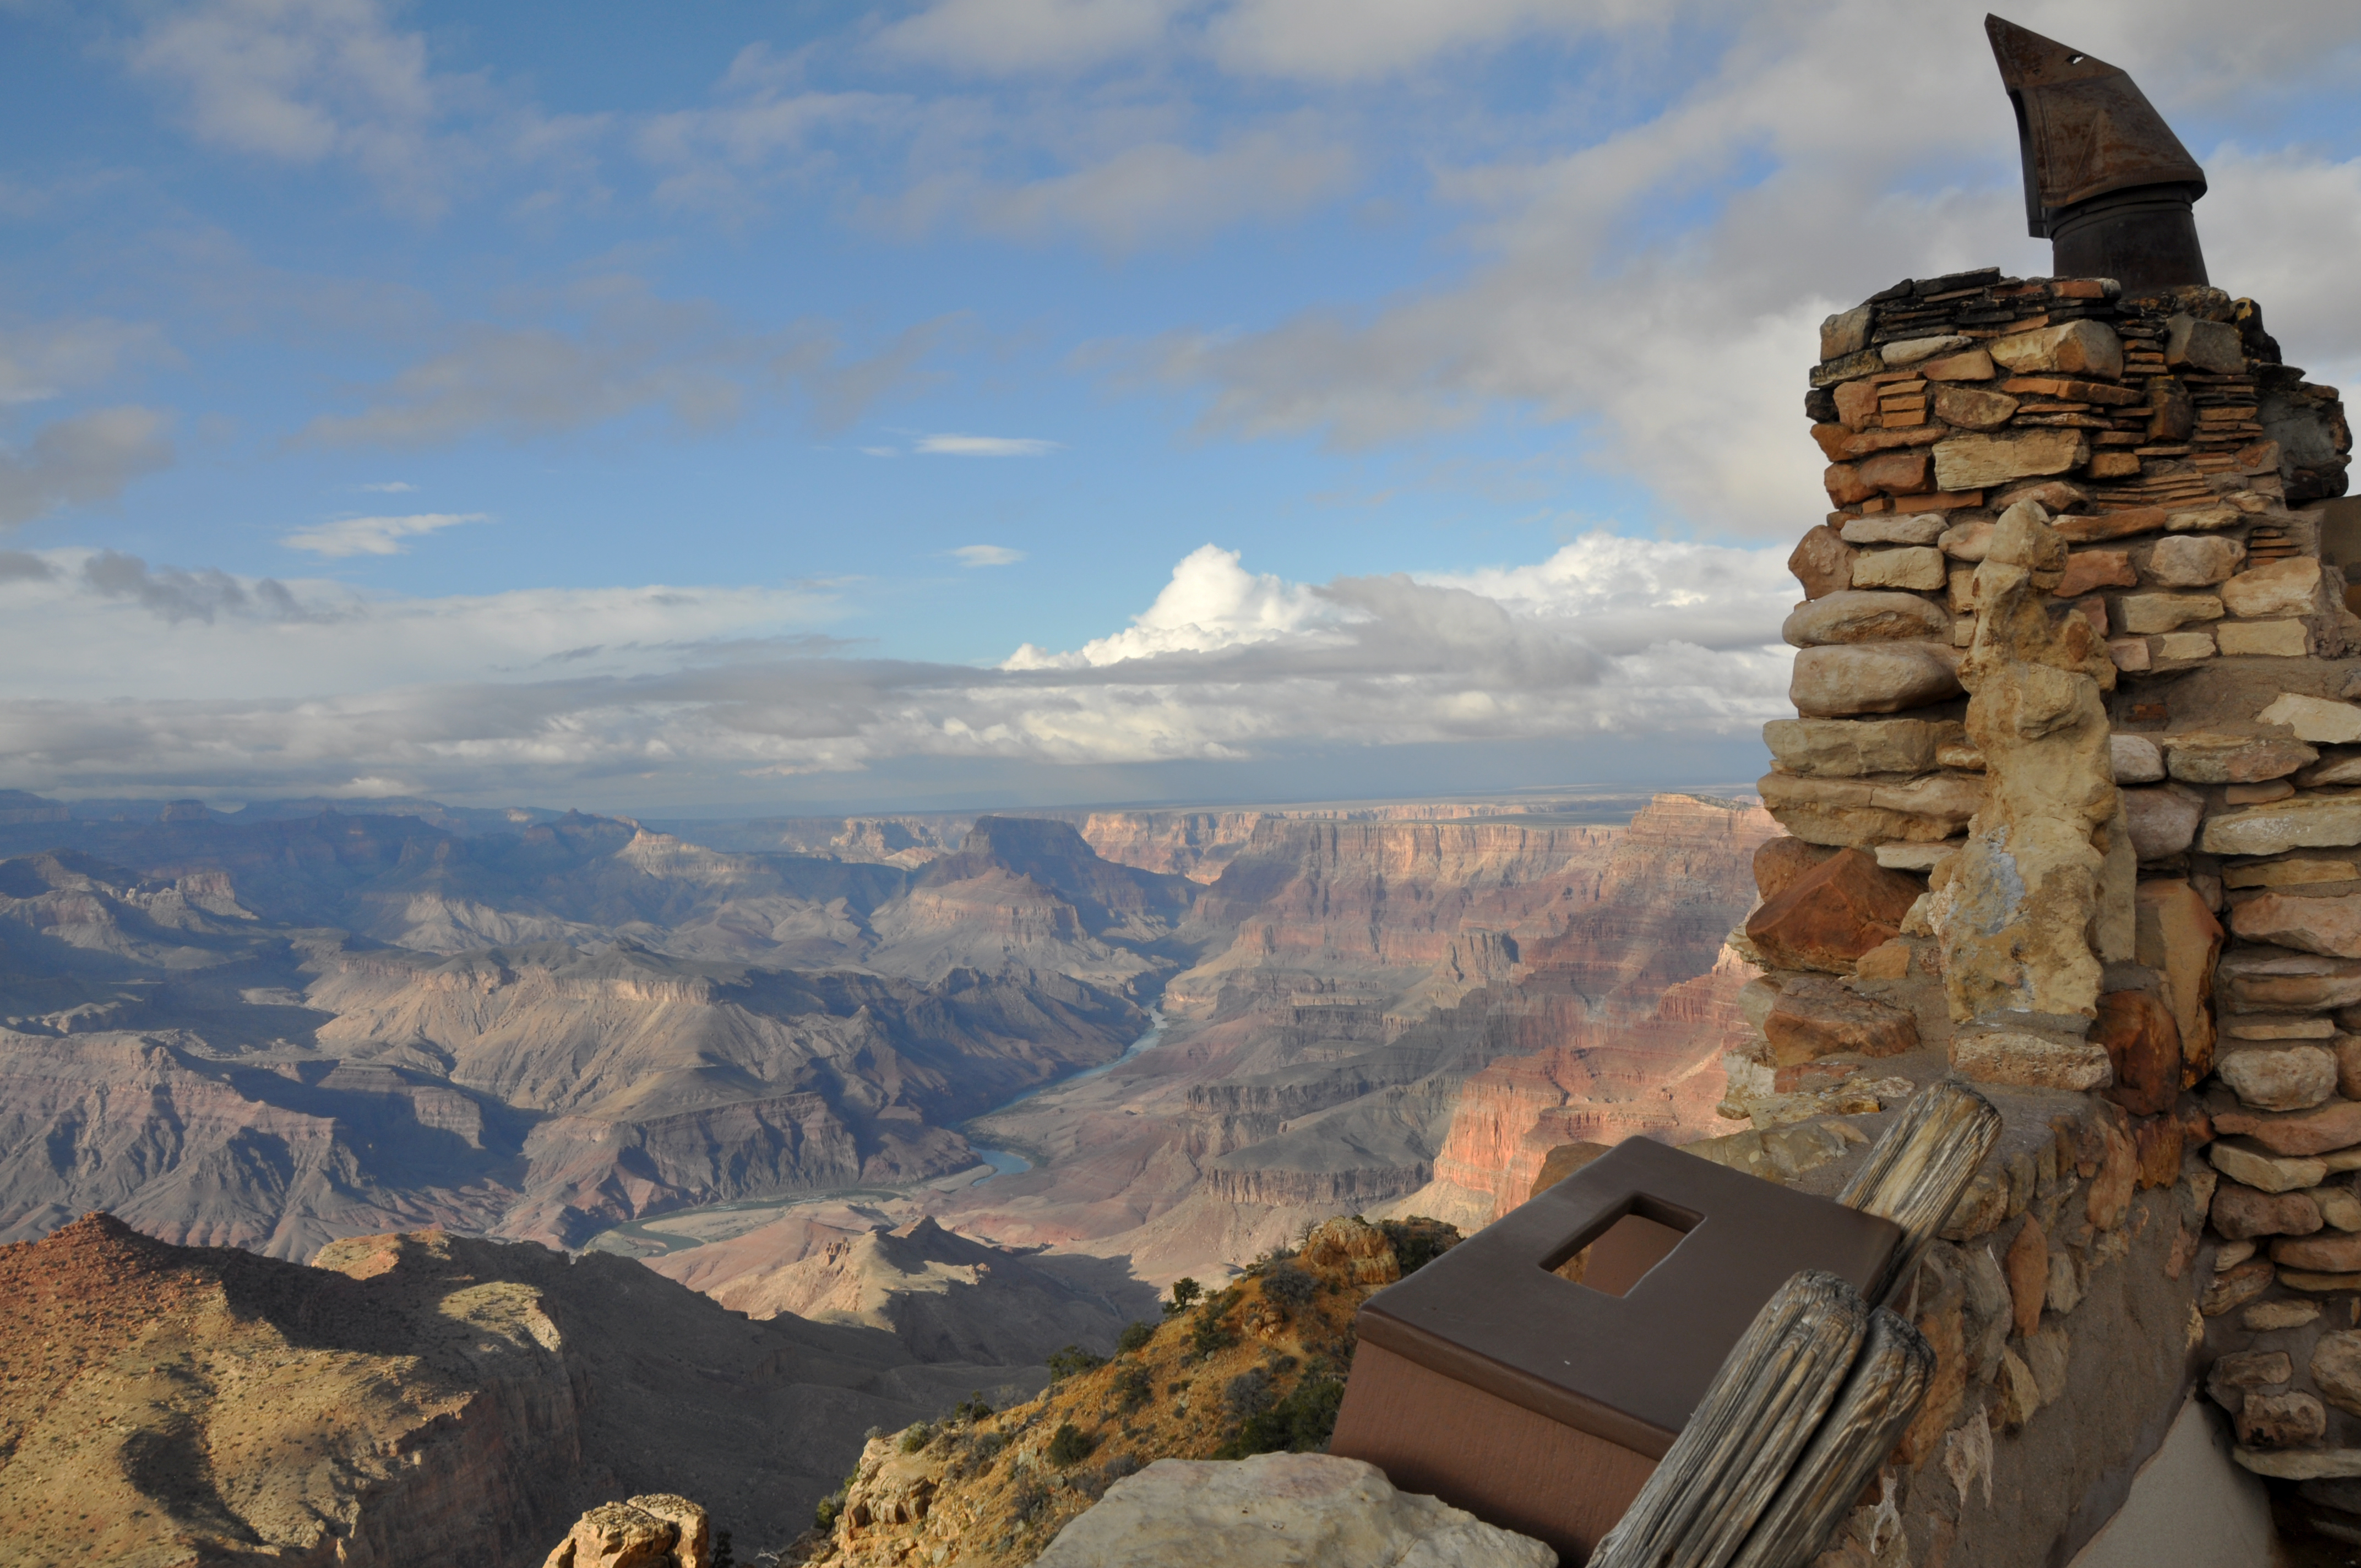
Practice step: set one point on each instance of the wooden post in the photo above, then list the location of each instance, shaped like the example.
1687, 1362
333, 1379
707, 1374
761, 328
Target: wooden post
1918, 1170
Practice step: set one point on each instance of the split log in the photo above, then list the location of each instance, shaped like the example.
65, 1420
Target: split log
1918, 1172
1888, 1384
1762, 1411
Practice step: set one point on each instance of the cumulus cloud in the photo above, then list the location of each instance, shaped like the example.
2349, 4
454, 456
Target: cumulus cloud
987, 555
1607, 637
373, 535
986, 445
1029, 35
47, 360
84, 460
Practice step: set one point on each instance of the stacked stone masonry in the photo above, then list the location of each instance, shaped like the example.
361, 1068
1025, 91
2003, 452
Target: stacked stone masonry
2074, 803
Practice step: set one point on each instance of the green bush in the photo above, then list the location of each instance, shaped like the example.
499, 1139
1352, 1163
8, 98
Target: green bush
1289, 1286
972, 1409
1135, 1337
1210, 1333
917, 1438
1300, 1424
1072, 1359
1069, 1445
825, 1516
1132, 1386
1185, 1292
1418, 1241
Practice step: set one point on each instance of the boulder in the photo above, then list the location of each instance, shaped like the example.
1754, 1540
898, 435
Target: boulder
2279, 1078
1816, 1018
1778, 861
1840, 748
2214, 757
2241, 1212
2306, 822
2329, 925
1279, 1510
2145, 614
2259, 1168
2089, 569
1919, 567
1822, 561
2334, 1124
1872, 677
1977, 462
2142, 1047
2327, 1252
2337, 1367
2315, 719
2192, 561
2281, 587
659, 1531
1859, 616
2073, 348
2162, 822
1970, 407
2136, 759
1829, 917
2032, 1061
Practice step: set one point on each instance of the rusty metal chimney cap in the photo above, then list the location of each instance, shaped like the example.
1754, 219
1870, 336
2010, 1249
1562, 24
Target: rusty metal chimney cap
2083, 125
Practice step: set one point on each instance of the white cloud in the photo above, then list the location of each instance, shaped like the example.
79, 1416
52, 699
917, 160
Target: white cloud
388, 488
45, 361
372, 535
84, 460
987, 555
1029, 35
986, 446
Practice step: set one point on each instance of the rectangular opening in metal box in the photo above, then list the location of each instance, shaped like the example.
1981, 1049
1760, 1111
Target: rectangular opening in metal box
1613, 1257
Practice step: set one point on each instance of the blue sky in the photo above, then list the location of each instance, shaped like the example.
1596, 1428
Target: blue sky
793, 405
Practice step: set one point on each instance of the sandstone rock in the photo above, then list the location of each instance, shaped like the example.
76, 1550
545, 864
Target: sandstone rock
2215, 757
1920, 567
2200, 518
1970, 409
1893, 527
2333, 1125
1822, 561
2322, 1284
1779, 861
2330, 925
2337, 1367
1816, 1018
2065, 1289
2230, 1255
2028, 1268
1280, 1509
1877, 677
2294, 872
2019, 1392
2329, 1252
1976, 461
2030, 1060
2089, 569
2282, 1030
1351, 1249
2316, 719
1831, 915
2234, 1287
659, 1531
2280, 588
1859, 616
2256, 794
2343, 770
2188, 560
2163, 821
1966, 541
2348, 1050
2177, 936
2241, 1212
1898, 474
2047, 1356
2263, 639
1856, 814
2233, 1377
1846, 332
2142, 1047
2281, 1420
2313, 822
2259, 1168
2266, 1317
2289, 1078
2120, 523
2136, 759
2130, 653
1974, 365
2301, 1466
1832, 748
2339, 1206
2185, 646
2075, 348
1910, 351
2204, 345
2147, 614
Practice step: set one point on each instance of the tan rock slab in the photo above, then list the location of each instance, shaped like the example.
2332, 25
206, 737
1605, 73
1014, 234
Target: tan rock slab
1974, 365
1840, 748
1856, 616
1970, 407
2149, 613
1822, 561
2130, 653
1920, 568
2087, 570
2257, 1168
2256, 794
1967, 541
1975, 462
2241, 1213
2319, 1280
2263, 639
1847, 332
1892, 528
2030, 1060
2293, 1419
2234, 1287
2300, 1464
2212, 757
2294, 872
2120, 523
2281, 1028
2075, 348
2136, 758
2336, 1368
1815, 1019
2279, 587
1902, 472
2329, 925
2307, 822
1880, 677
1920, 858
2319, 720
2339, 1206
2204, 344
2194, 561
2329, 771
2335, 1124
2347, 1051
2163, 822
1911, 350
2198, 519
2279, 1078
2185, 646
2266, 1317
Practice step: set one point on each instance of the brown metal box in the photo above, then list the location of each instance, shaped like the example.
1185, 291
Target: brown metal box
1543, 1405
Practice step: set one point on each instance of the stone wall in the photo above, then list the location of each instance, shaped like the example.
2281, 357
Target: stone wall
2073, 801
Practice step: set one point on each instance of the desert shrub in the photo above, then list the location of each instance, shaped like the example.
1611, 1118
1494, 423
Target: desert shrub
824, 1517
1132, 1387
917, 1438
1069, 1445
1135, 1337
1289, 1286
1248, 1393
1184, 1293
1121, 1466
1065, 1363
972, 1409
1300, 1424
1210, 1333
724, 1554
1028, 1501
1418, 1241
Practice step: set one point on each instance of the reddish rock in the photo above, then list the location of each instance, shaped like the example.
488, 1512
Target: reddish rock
1844, 483
1564, 1161
2160, 1140
2109, 1196
2234, 1287
2336, 1125
2144, 1045
1778, 861
2089, 569
1897, 473
2329, 1252
2028, 1268
1815, 1019
1823, 561
1832, 913
2241, 1212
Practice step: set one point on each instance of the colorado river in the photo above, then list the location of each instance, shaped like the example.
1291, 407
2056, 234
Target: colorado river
1002, 1161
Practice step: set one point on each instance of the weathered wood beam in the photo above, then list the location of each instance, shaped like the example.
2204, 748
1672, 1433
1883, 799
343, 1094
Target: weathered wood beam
1920, 1167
